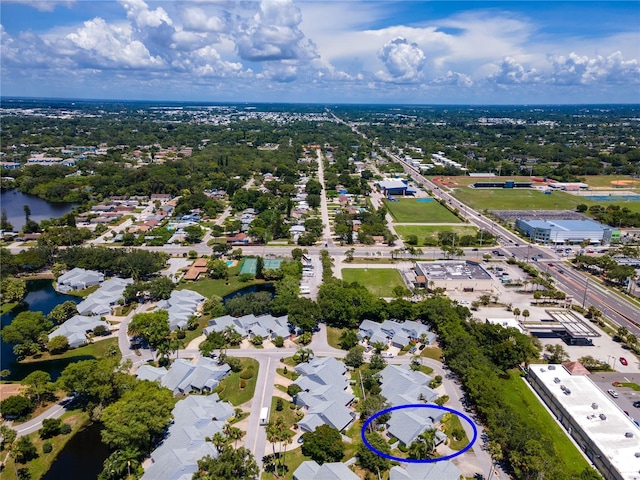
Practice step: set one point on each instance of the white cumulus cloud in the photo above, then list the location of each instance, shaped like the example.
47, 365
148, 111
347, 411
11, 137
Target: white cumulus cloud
111, 46
511, 72
403, 61
453, 78
274, 34
576, 69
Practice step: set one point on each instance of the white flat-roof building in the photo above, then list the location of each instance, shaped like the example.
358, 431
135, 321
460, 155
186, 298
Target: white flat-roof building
455, 275
602, 430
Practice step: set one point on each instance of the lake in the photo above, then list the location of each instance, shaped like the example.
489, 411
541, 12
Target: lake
81, 458
260, 287
13, 202
41, 298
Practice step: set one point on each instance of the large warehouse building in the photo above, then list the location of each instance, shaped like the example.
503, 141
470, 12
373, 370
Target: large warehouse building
607, 436
453, 275
568, 231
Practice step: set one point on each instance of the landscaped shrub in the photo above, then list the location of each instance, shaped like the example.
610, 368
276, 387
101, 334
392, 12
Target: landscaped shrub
47, 447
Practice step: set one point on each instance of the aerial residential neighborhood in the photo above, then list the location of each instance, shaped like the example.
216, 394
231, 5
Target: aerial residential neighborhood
315, 305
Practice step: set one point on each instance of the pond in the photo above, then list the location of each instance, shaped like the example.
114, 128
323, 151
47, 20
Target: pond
261, 287
81, 458
41, 297
13, 201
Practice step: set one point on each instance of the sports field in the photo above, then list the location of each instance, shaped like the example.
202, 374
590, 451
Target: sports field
518, 199
625, 182
464, 180
424, 231
412, 210
379, 281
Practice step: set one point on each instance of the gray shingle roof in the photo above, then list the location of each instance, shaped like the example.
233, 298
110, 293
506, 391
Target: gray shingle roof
325, 393
76, 327
445, 470
400, 333
184, 376
185, 444
267, 326
310, 470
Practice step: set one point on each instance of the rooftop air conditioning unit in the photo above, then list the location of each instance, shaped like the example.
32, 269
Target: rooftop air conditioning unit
603, 416
629, 434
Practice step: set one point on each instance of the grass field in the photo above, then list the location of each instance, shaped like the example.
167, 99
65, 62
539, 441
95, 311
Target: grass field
333, 336
209, 286
231, 387
511, 199
48, 363
508, 199
379, 281
527, 406
602, 181
424, 231
41, 464
409, 210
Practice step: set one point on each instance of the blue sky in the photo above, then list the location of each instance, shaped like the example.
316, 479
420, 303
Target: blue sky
330, 51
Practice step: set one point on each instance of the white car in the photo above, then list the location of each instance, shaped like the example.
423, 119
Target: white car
613, 393
387, 354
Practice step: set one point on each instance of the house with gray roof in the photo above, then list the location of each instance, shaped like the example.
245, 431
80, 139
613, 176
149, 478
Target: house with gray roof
76, 329
78, 279
407, 425
105, 298
401, 386
194, 419
267, 326
185, 376
181, 305
444, 470
310, 470
392, 332
326, 394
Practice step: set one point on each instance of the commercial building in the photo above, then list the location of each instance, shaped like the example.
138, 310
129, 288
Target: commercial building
607, 436
395, 186
568, 231
455, 275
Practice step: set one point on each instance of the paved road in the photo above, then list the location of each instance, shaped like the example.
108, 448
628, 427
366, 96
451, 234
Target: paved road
324, 208
33, 425
268, 360
573, 282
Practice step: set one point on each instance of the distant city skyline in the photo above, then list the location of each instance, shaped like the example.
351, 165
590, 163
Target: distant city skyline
411, 52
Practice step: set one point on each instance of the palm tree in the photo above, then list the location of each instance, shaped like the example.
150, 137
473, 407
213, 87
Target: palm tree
286, 439
273, 436
525, 314
516, 312
219, 441
424, 445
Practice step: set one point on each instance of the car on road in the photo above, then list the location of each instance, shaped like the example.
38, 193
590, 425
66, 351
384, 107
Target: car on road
412, 350
613, 393
421, 347
550, 264
624, 361
387, 354
636, 404
495, 252
561, 272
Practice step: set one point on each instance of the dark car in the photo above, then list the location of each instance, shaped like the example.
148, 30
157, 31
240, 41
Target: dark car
623, 361
421, 347
636, 404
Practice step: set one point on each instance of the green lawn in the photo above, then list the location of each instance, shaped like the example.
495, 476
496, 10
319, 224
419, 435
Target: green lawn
41, 464
515, 199
379, 281
49, 362
508, 199
209, 286
527, 406
333, 336
424, 231
231, 387
432, 352
409, 210
605, 181
450, 423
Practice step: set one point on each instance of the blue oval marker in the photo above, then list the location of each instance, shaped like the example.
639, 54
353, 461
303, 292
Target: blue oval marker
410, 460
